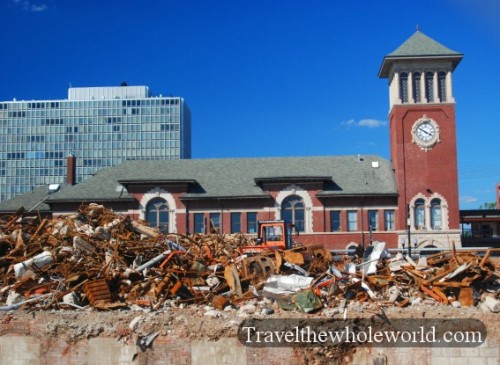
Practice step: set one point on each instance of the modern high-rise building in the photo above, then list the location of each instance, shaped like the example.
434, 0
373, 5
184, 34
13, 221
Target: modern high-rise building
101, 126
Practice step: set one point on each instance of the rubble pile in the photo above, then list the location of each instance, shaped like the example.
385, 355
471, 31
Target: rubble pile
100, 259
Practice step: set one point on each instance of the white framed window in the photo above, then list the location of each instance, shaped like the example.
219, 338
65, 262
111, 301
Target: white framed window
157, 214
352, 220
292, 211
335, 225
373, 219
429, 213
199, 222
436, 214
235, 222
419, 214
215, 222
389, 220
252, 222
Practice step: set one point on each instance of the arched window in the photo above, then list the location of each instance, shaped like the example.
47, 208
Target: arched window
429, 250
416, 87
442, 86
157, 214
403, 87
436, 216
429, 86
293, 211
419, 213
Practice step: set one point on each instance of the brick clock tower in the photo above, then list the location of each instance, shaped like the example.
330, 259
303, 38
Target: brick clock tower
423, 141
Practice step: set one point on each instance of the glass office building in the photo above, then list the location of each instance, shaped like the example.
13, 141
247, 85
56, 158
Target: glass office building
101, 126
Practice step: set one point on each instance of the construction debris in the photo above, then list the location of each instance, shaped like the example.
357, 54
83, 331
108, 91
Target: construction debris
491, 303
99, 259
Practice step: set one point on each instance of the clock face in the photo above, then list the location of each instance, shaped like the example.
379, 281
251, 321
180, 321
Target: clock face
425, 133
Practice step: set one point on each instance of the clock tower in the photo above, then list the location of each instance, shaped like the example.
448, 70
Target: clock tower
423, 140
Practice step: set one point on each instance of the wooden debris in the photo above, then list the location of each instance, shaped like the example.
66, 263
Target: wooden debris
466, 298
109, 261
97, 291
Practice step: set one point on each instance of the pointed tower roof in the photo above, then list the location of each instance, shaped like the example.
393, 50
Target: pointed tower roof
419, 46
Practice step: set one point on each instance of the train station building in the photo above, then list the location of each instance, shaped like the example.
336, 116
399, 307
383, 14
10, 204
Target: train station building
338, 201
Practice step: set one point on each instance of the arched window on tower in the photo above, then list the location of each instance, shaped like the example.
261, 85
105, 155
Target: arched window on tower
293, 211
436, 216
157, 214
442, 86
403, 87
419, 214
416, 87
429, 87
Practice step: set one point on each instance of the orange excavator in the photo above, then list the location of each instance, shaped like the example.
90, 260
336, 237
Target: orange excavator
272, 235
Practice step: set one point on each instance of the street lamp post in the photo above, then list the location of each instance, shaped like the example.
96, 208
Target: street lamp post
402, 242
408, 224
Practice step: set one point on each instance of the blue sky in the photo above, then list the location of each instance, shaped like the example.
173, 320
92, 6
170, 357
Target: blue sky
264, 78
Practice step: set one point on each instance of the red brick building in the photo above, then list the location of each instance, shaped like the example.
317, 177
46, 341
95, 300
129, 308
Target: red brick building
338, 201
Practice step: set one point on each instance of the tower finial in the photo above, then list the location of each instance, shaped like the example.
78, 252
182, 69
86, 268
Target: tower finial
418, 28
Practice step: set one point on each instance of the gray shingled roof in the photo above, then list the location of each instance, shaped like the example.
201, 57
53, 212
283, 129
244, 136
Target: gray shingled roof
419, 45
237, 177
31, 200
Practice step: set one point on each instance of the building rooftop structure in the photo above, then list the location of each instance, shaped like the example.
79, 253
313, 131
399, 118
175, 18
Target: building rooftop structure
238, 177
419, 46
109, 92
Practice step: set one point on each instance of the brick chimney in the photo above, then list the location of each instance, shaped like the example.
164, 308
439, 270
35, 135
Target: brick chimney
71, 169
498, 195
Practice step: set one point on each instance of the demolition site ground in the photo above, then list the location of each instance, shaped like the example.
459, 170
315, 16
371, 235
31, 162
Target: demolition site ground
98, 274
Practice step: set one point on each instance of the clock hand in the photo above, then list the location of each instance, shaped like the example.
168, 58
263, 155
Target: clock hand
426, 132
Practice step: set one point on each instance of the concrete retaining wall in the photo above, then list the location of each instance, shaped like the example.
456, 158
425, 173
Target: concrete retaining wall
30, 350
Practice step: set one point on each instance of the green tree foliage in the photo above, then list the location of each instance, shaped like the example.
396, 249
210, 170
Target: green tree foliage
490, 205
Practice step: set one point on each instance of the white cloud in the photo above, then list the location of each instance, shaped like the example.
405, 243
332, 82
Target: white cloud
468, 199
367, 123
371, 123
31, 5
349, 122
37, 8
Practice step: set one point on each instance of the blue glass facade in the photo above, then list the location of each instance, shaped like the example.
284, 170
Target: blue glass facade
110, 126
